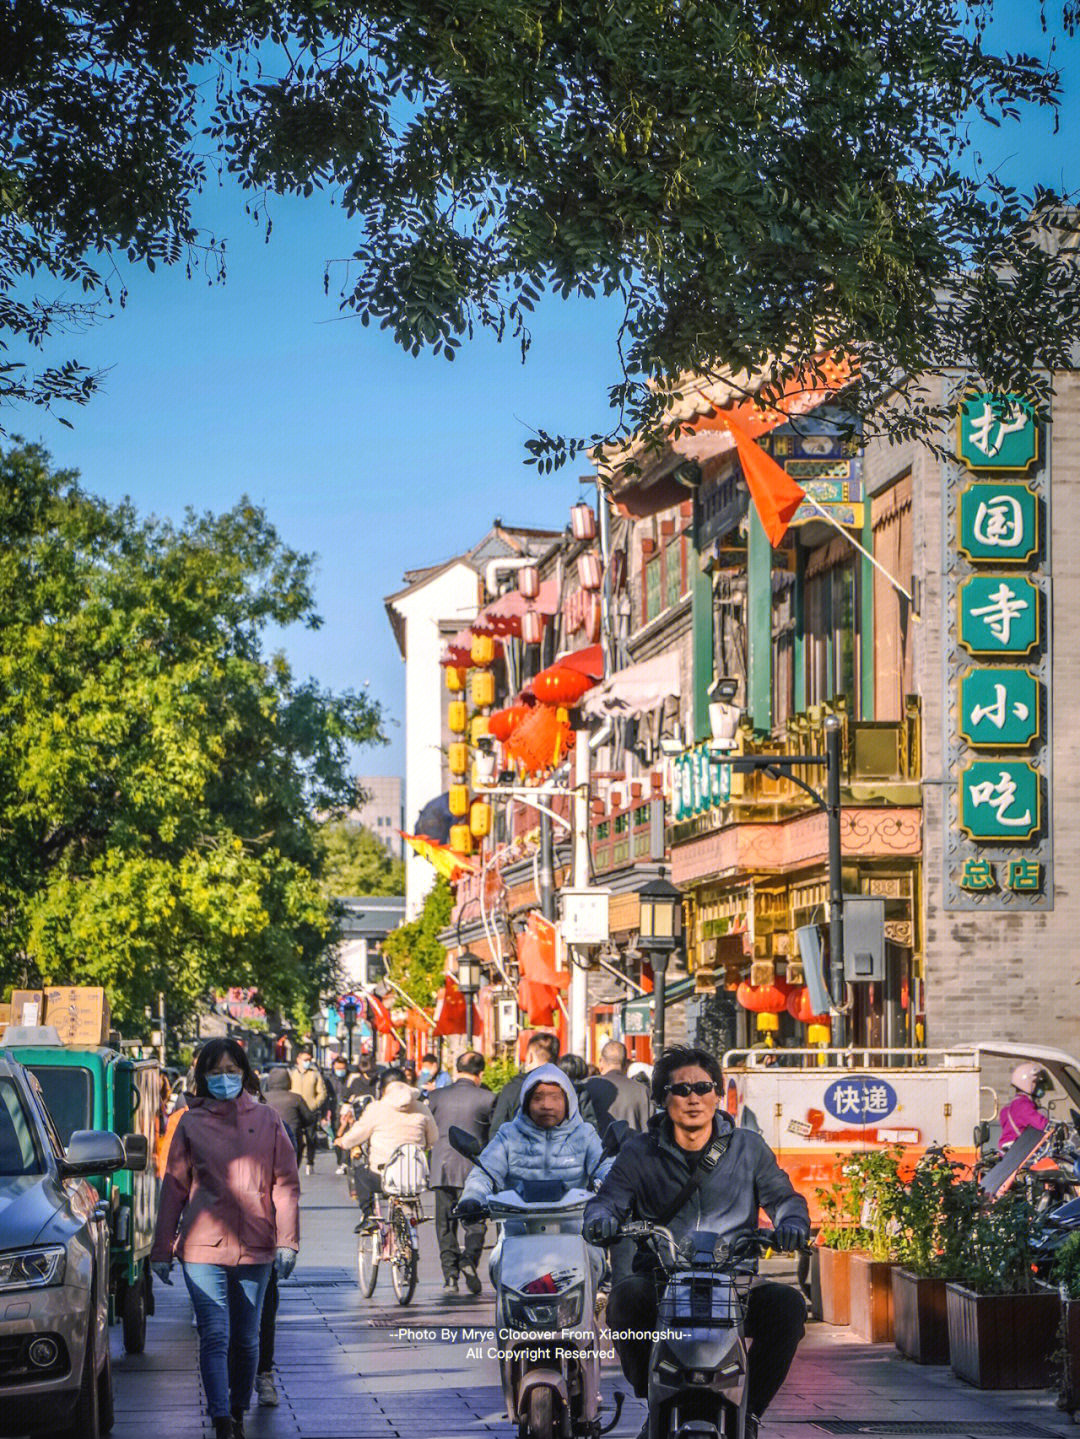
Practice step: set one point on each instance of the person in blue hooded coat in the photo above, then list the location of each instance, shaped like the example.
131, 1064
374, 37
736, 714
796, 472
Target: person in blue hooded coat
546, 1139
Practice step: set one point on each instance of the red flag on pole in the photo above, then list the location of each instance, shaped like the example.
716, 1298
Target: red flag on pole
775, 494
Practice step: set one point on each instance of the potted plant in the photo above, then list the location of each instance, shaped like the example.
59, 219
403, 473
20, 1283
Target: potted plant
875, 1176
1067, 1277
932, 1212
839, 1234
1002, 1324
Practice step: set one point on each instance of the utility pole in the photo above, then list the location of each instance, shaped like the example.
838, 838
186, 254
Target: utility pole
161, 1027
579, 975
836, 880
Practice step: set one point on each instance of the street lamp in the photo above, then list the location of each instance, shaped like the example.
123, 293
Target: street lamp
659, 934
468, 981
318, 1031
349, 1011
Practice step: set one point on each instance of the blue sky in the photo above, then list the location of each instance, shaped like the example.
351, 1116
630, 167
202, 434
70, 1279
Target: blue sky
372, 459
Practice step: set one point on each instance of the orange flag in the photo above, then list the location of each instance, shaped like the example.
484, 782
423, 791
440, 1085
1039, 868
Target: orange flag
775, 494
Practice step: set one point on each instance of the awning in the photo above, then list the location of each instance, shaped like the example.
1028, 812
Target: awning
637, 1014
503, 615
637, 689
588, 661
457, 651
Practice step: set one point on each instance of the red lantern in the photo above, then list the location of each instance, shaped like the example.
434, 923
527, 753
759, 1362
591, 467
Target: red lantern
590, 571
540, 740
763, 998
528, 582
583, 521
503, 723
532, 627
593, 618
560, 685
799, 1007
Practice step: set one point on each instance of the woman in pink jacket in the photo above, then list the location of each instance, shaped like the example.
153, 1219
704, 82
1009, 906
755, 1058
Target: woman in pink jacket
229, 1212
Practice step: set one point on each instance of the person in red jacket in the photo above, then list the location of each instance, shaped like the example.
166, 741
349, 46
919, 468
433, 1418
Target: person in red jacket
229, 1211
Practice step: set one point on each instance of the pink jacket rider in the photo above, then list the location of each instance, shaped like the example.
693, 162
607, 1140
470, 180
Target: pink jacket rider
230, 1186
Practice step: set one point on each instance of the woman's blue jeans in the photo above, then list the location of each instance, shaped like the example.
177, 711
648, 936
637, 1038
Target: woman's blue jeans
227, 1299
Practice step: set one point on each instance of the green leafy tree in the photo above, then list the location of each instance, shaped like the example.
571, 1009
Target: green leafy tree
415, 959
356, 862
158, 769
756, 181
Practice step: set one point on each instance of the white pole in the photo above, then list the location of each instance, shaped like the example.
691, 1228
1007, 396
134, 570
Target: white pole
579, 976
832, 520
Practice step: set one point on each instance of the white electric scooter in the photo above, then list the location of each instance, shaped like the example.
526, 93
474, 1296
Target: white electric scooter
545, 1278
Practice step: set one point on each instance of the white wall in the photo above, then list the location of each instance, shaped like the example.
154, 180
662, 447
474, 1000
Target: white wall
453, 597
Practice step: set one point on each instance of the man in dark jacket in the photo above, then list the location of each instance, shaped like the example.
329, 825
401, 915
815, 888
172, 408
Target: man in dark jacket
613, 1095
651, 1179
468, 1104
542, 1048
291, 1106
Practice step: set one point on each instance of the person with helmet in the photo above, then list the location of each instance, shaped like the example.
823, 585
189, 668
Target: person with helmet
1031, 1082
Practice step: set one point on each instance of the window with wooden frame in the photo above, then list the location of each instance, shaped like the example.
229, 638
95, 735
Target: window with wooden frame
891, 518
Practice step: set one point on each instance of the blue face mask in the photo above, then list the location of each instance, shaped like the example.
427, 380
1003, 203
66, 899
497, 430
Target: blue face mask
224, 1086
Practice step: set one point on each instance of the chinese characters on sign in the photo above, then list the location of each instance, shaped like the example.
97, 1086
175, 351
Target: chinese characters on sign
998, 852
700, 782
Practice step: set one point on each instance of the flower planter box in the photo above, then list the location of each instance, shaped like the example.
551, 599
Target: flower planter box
1002, 1341
920, 1322
835, 1285
1069, 1393
871, 1299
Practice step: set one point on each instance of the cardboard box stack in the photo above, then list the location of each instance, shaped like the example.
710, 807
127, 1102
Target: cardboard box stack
79, 1014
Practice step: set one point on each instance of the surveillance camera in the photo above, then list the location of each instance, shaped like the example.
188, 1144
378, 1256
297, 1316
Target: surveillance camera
688, 474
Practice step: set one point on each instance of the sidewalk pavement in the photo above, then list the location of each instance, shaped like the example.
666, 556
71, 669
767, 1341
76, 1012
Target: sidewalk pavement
345, 1369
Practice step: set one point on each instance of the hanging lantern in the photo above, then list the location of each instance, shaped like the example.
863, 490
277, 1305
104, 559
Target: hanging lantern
528, 582
762, 998
478, 728
540, 740
503, 723
458, 799
594, 612
457, 716
767, 1022
532, 627
590, 571
482, 652
818, 1034
479, 818
457, 756
483, 689
799, 1007
583, 521
455, 678
460, 839
560, 685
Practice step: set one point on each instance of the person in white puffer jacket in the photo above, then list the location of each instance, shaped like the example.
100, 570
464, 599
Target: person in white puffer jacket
399, 1117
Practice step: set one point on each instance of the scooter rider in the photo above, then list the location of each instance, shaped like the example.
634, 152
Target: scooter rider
693, 1169
546, 1139
1031, 1082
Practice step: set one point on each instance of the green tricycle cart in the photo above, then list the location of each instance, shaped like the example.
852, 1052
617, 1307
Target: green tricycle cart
98, 1088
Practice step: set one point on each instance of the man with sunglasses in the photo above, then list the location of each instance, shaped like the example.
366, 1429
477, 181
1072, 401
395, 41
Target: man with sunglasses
693, 1169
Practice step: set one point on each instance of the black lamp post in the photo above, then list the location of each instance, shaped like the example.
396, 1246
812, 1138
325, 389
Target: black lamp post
468, 980
659, 934
349, 1011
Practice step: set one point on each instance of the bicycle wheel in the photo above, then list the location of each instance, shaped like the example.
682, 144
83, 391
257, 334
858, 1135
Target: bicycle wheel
367, 1262
404, 1264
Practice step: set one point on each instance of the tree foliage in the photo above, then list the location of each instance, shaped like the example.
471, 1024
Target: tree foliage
157, 768
356, 862
759, 181
415, 960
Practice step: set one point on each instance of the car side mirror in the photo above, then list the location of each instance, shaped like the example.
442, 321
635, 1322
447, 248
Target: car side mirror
464, 1142
92, 1151
136, 1153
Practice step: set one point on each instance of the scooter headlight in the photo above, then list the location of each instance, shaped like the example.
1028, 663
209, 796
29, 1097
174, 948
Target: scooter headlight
559, 1311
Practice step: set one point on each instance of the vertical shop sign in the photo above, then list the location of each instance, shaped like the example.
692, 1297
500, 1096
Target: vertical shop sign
998, 850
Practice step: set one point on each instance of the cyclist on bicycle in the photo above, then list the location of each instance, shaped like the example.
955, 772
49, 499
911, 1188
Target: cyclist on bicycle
397, 1118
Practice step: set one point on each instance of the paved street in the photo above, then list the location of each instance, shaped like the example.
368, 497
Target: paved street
343, 1370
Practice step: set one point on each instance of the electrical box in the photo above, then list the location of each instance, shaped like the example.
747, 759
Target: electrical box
864, 939
585, 916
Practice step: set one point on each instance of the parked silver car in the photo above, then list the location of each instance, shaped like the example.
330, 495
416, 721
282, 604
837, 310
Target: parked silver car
55, 1376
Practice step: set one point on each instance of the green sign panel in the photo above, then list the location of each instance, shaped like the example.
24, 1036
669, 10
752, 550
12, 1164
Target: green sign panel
999, 708
999, 523
999, 615
997, 433
1000, 800
702, 781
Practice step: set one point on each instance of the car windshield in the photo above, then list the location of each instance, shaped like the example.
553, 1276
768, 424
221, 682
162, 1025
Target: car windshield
18, 1152
66, 1091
